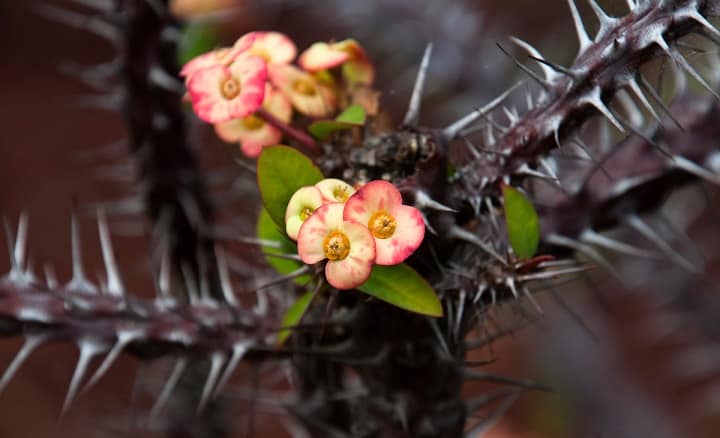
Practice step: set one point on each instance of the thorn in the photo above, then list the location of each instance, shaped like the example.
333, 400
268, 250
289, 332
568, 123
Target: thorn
490, 421
524, 68
190, 284
50, 277
711, 31
413, 113
525, 169
125, 337
239, 349
583, 38
172, 381
163, 79
217, 359
593, 98
606, 21
114, 282
88, 350
635, 89
79, 281
463, 234
225, 283
459, 317
423, 200
684, 64
550, 72
592, 237
658, 100
21, 241
634, 114
32, 342
547, 275
643, 228
556, 67
294, 274
164, 280
584, 249
683, 163
453, 130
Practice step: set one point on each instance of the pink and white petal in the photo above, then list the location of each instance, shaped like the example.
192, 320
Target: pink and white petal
355, 269
292, 228
321, 56
230, 131
407, 238
253, 140
377, 195
313, 106
313, 231
335, 190
245, 42
283, 75
207, 101
213, 58
277, 104
279, 48
308, 196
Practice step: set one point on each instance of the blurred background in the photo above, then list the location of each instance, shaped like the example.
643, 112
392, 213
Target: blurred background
640, 370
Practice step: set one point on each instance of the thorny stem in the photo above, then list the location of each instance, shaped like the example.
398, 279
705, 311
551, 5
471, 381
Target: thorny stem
294, 133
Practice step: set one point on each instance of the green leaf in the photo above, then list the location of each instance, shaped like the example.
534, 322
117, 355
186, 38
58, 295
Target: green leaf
281, 170
401, 286
353, 116
294, 315
522, 222
269, 231
196, 39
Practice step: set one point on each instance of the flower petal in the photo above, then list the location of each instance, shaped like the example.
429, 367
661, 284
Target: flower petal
322, 56
251, 72
222, 56
306, 93
353, 270
204, 88
313, 231
273, 47
335, 190
305, 197
407, 238
378, 195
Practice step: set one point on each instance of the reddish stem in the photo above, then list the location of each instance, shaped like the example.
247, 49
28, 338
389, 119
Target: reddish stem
296, 134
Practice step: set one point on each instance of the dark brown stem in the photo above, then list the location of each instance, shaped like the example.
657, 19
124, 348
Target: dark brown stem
296, 134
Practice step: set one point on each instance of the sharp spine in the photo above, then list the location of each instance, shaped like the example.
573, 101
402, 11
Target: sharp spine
166, 392
115, 286
453, 130
88, 350
643, 228
413, 113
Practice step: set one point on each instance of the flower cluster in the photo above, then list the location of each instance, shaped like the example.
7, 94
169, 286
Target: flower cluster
248, 89
353, 230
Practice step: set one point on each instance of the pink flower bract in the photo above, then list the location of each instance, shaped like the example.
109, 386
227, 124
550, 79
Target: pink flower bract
306, 93
301, 206
252, 132
273, 47
322, 56
223, 93
348, 246
398, 229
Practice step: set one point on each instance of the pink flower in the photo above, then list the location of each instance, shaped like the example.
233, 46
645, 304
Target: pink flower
335, 190
356, 65
273, 47
301, 206
348, 246
222, 93
252, 131
398, 229
223, 56
322, 56
307, 94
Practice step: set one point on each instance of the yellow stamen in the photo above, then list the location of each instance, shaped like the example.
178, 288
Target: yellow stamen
230, 88
305, 87
382, 225
340, 193
261, 52
336, 246
305, 213
252, 122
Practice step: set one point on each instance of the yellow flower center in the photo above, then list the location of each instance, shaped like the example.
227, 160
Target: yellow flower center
336, 246
382, 225
305, 87
340, 193
230, 88
305, 213
252, 122
261, 52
